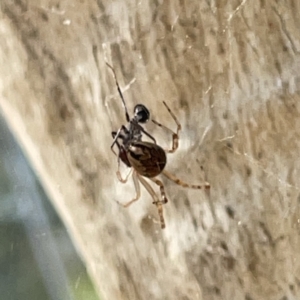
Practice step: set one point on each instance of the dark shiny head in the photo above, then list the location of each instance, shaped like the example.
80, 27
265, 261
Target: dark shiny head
141, 113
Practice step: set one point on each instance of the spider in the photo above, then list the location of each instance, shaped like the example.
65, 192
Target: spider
145, 159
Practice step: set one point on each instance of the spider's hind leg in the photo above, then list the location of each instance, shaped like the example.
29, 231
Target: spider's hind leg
119, 175
156, 201
137, 188
178, 181
162, 190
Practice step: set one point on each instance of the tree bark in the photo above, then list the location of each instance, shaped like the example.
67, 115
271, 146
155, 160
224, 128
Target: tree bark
229, 70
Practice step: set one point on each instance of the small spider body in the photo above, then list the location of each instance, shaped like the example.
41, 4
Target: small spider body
145, 159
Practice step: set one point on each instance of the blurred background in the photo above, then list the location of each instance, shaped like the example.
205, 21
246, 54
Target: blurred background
37, 258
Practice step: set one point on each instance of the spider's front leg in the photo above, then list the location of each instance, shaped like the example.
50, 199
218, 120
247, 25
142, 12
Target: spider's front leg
175, 135
116, 135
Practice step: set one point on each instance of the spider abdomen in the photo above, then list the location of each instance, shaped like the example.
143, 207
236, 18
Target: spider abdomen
147, 159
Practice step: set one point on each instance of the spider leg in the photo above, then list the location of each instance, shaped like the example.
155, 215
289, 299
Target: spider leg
120, 92
162, 190
148, 134
120, 178
137, 188
175, 135
116, 135
122, 152
156, 201
178, 181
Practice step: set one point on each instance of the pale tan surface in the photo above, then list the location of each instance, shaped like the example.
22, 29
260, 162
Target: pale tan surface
230, 73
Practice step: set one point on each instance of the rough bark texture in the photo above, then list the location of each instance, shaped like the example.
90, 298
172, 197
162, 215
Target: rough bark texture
230, 71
